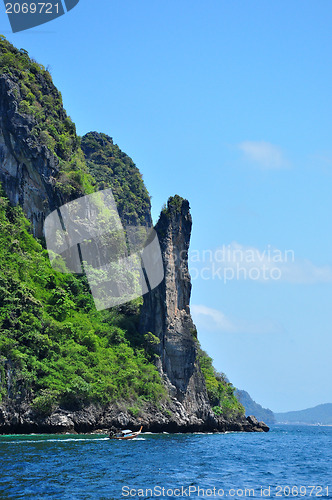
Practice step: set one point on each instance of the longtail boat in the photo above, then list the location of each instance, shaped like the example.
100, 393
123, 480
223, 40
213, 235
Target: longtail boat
127, 434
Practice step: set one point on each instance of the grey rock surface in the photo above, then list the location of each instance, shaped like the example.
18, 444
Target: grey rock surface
28, 169
166, 315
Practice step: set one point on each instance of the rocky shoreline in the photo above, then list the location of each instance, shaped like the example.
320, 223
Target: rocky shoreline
170, 417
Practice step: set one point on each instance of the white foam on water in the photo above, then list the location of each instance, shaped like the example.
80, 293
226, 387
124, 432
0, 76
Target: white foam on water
59, 440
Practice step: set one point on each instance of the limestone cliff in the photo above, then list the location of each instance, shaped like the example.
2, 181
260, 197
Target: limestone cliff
112, 168
63, 365
28, 169
166, 314
42, 164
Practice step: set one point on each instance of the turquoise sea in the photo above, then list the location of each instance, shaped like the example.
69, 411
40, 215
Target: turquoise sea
289, 461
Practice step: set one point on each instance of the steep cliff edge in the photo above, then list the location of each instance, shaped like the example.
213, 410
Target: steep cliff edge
28, 169
112, 168
65, 367
166, 323
42, 164
166, 315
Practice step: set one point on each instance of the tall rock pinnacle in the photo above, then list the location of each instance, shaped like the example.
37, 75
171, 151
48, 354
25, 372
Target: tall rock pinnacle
166, 313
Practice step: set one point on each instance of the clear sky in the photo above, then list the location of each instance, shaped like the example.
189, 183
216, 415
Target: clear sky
228, 104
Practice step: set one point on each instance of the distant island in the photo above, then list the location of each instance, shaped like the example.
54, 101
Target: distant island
253, 408
318, 415
321, 414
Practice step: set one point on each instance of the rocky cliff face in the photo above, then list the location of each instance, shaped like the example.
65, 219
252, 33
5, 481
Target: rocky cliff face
41, 177
166, 315
112, 168
167, 417
42, 166
28, 169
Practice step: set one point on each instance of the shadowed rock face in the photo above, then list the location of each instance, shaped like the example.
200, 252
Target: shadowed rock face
166, 313
27, 169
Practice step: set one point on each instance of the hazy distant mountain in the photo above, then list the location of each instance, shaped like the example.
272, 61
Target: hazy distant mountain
321, 414
253, 408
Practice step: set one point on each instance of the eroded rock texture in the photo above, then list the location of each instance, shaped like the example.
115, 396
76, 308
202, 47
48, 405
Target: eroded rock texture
166, 315
27, 168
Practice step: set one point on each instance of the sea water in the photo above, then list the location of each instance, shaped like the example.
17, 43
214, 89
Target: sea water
289, 461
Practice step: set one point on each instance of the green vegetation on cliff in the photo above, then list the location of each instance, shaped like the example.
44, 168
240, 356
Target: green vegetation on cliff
53, 343
111, 168
174, 204
37, 98
220, 391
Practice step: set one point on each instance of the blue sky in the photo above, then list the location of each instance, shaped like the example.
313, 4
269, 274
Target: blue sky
229, 105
